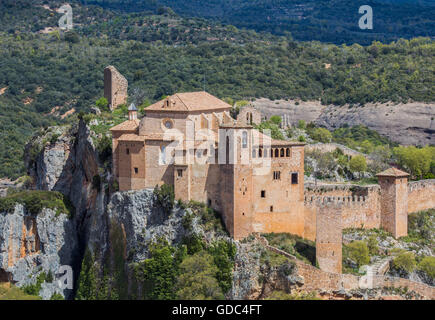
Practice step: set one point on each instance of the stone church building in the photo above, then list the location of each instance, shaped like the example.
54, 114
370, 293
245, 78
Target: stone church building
190, 141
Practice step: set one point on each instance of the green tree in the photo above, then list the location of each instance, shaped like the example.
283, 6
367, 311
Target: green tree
358, 164
87, 288
358, 252
404, 261
321, 135
223, 253
415, 160
427, 264
372, 244
158, 273
197, 279
302, 124
276, 120
102, 103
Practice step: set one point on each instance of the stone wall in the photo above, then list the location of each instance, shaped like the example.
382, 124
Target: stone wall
358, 211
115, 87
249, 115
319, 280
329, 236
421, 195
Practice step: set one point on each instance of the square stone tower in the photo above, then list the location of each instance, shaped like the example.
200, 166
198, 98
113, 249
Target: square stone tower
115, 87
394, 201
329, 235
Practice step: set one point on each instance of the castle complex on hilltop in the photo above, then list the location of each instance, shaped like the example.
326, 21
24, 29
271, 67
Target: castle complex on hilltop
191, 142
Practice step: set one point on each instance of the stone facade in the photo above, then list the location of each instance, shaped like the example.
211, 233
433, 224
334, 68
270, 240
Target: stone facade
115, 87
249, 115
329, 236
190, 141
394, 201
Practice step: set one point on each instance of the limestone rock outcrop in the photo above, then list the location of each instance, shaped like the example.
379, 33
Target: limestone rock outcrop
410, 123
34, 245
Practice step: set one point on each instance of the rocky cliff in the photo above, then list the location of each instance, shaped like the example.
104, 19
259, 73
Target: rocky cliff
34, 246
116, 229
410, 123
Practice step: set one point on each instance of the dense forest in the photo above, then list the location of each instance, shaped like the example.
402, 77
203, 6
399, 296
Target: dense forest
333, 21
46, 74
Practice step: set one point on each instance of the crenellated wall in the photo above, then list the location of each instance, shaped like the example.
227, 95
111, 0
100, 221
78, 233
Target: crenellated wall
421, 195
361, 205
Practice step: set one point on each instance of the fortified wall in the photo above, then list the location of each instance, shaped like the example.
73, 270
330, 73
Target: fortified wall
421, 195
362, 206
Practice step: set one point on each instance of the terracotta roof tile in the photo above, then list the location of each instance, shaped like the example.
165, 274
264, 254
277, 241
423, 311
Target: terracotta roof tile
392, 172
189, 101
131, 137
129, 125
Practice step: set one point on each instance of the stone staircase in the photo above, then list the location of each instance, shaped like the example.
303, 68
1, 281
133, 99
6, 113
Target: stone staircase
381, 267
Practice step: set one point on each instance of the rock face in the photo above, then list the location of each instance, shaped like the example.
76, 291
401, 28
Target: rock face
411, 123
67, 164
31, 246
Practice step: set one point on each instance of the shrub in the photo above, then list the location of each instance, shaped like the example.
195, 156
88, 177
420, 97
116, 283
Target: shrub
197, 278
276, 120
104, 148
372, 244
358, 252
102, 103
165, 197
321, 135
427, 265
404, 261
36, 200
358, 163
302, 124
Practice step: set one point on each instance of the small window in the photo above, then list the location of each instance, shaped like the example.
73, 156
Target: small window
271, 208
127, 151
277, 175
263, 193
244, 139
209, 202
180, 172
287, 152
281, 153
294, 178
136, 170
260, 153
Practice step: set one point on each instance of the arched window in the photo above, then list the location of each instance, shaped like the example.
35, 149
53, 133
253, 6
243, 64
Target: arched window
287, 152
163, 154
260, 153
281, 153
244, 139
271, 152
276, 153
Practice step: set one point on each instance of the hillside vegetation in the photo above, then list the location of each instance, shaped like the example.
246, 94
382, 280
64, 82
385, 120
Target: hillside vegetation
333, 21
45, 75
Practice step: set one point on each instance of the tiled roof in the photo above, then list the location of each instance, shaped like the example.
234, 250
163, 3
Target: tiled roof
131, 137
189, 101
393, 172
129, 125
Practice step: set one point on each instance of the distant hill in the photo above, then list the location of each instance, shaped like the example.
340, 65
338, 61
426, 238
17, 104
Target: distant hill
334, 21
